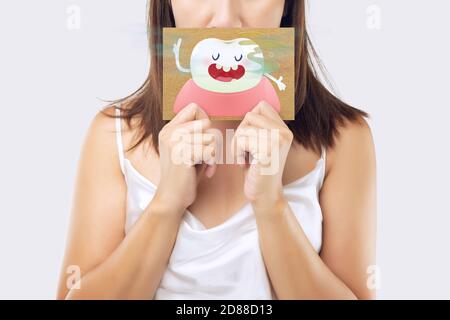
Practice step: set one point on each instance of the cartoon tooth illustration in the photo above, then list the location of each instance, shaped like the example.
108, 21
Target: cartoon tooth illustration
234, 68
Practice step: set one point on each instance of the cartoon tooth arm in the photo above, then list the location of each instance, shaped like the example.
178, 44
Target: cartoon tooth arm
280, 84
176, 52
258, 55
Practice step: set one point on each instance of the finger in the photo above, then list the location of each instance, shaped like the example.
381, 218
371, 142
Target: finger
200, 138
197, 154
255, 142
255, 119
193, 126
189, 113
211, 170
209, 157
195, 138
192, 154
245, 140
265, 109
265, 129
209, 154
246, 151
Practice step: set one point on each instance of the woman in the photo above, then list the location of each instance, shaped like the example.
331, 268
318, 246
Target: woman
145, 227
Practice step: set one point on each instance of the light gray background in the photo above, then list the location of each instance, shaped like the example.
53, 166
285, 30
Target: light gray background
51, 80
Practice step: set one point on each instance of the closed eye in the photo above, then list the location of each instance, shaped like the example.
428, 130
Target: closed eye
218, 55
238, 59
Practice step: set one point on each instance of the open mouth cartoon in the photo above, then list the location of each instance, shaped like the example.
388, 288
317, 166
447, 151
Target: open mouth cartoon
228, 77
226, 74
226, 66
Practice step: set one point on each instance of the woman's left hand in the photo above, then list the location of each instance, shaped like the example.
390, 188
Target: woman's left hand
260, 145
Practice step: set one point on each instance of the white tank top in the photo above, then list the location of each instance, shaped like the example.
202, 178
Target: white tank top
223, 262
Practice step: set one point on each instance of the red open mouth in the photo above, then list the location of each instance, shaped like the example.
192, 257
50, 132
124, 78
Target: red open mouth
224, 76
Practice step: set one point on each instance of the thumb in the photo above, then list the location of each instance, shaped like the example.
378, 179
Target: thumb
210, 170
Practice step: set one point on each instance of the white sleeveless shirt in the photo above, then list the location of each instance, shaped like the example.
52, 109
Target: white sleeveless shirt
223, 262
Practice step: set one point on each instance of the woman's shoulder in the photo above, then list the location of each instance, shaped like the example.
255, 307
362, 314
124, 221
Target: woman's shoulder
101, 133
108, 127
353, 146
354, 135
105, 125
99, 147
103, 122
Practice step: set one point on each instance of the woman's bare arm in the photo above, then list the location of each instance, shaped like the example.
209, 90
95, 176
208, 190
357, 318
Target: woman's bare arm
113, 265
348, 201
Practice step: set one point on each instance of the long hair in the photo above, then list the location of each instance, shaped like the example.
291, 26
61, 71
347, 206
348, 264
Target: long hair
318, 112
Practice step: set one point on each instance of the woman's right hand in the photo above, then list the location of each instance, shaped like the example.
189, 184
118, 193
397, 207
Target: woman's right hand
182, 164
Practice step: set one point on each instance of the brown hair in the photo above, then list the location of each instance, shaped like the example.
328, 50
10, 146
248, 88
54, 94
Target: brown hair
318, 113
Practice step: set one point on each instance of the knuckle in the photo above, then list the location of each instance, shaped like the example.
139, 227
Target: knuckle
263, 104
250, 116
289, 135
207, 123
